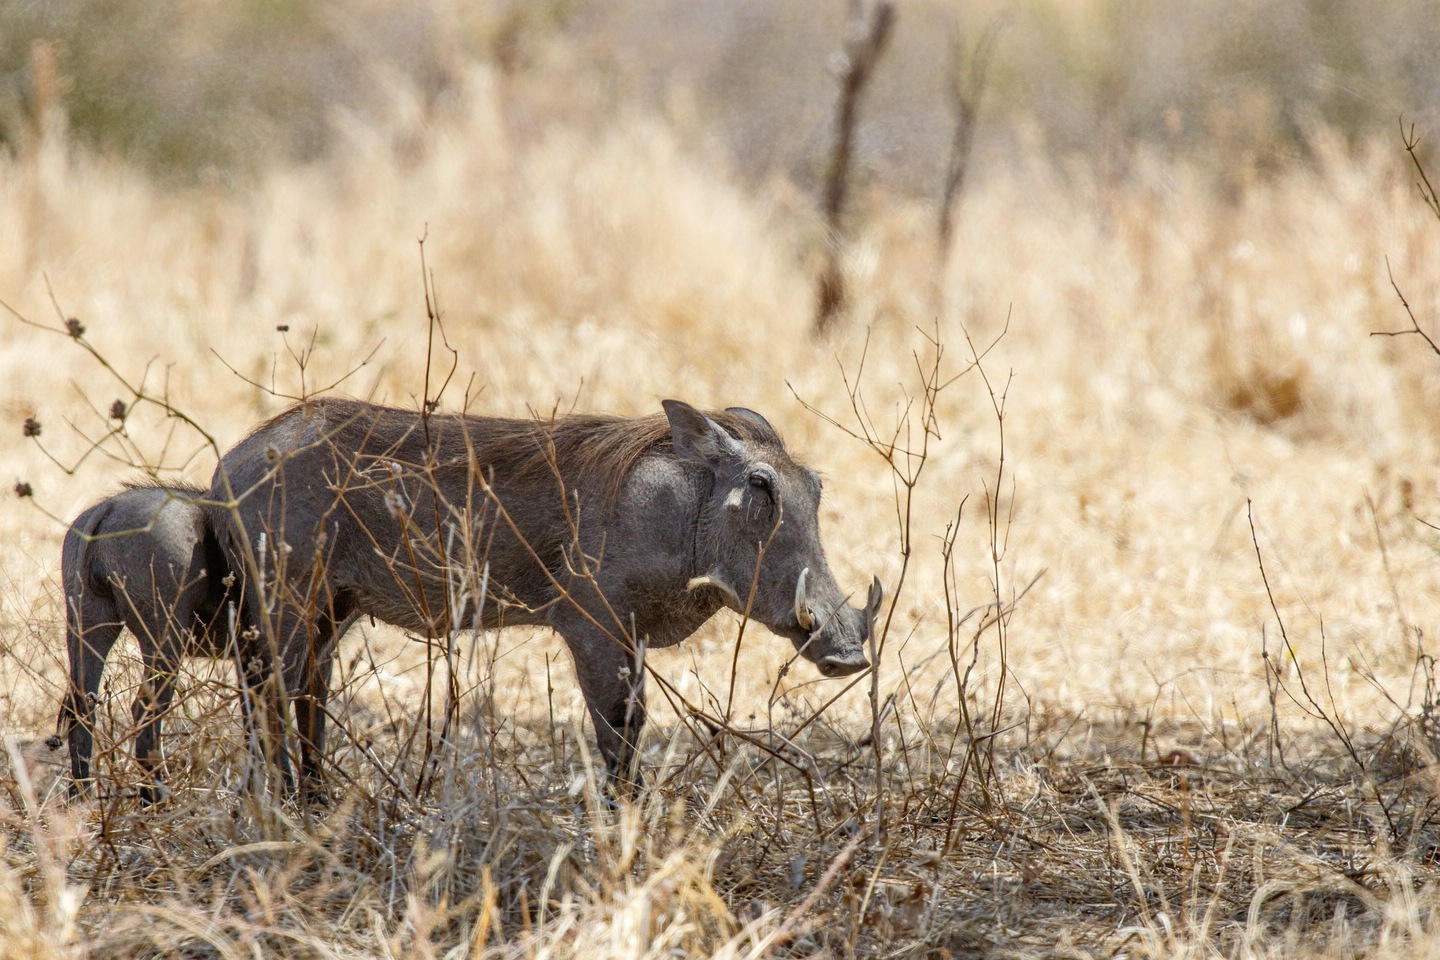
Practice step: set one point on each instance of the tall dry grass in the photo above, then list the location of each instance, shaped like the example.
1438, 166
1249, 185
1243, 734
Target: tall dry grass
1177, 362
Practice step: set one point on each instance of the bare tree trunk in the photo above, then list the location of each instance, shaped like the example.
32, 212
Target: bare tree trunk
864, 43
966, 89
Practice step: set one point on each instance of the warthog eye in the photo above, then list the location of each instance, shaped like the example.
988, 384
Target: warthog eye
762, 482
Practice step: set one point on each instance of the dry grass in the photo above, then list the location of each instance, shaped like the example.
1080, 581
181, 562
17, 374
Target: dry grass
1158, 781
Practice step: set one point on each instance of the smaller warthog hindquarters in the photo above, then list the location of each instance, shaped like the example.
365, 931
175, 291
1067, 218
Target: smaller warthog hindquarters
145, 560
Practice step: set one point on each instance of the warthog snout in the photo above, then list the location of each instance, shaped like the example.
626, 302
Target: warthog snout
837, 644
843, 666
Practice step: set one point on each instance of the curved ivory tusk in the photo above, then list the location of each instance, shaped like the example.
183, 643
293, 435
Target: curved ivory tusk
877, 596
710, 580
802, 607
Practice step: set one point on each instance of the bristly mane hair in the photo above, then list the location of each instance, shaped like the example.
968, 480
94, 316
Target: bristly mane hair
180, 488
585, 448
604, 449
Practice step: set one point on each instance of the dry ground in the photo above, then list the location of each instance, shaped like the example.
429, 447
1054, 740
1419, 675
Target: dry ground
1151, 754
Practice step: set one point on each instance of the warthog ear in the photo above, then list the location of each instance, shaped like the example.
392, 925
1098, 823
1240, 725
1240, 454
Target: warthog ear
758, 420
696, 436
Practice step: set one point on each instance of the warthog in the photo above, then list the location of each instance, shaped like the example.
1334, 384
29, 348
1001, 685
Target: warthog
616, 532
145, 559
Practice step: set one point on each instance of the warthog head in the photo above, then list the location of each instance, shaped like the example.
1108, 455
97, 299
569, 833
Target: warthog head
758, 539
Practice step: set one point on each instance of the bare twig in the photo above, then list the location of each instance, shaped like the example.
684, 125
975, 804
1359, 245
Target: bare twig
1414, 324
1411, 140
1311, 706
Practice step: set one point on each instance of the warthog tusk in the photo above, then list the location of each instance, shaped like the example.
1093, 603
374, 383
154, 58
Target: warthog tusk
877, 596
802, 608
710, 580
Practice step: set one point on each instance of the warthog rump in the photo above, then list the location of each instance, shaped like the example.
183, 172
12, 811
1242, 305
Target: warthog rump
144, 559
616, 532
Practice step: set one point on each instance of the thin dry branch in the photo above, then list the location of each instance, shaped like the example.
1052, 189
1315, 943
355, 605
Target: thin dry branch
1311, 705
1414, 324
1411, 140
428, 405
302, 359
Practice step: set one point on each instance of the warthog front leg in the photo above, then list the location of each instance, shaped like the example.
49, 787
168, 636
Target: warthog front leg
612, 680
310, 698
309, 655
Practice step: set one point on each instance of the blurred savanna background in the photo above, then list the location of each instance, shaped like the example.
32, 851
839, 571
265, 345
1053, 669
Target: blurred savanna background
1156, 507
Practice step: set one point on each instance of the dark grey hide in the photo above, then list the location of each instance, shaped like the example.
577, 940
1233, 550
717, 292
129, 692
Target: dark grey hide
615, 532
145, 559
